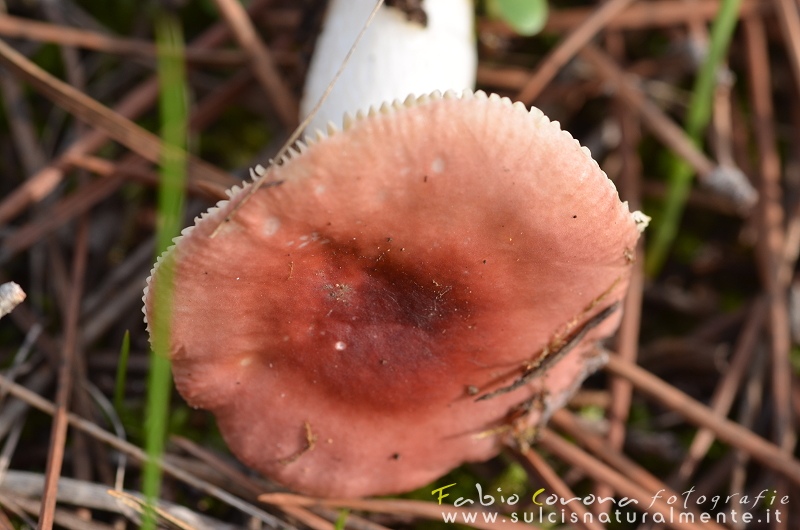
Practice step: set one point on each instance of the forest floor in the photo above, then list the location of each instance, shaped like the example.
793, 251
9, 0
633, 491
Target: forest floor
700, 398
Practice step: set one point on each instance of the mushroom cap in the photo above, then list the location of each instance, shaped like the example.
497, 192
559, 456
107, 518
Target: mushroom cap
341, 321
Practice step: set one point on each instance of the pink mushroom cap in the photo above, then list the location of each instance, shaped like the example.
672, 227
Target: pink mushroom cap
342, 322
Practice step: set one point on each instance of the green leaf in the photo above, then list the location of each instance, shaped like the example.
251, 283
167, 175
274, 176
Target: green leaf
526, 17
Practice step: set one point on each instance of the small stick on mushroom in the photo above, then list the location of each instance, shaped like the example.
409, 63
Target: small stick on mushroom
311, 442
548, 359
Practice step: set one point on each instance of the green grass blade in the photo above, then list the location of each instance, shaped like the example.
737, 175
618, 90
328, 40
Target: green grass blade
173, 105
697, 118
341, 520
122, 371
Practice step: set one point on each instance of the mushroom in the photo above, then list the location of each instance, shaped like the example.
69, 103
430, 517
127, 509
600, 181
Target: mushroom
411, 47
401, 297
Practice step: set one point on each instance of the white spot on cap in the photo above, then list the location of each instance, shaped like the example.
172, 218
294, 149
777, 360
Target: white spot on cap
247, 361
271, 226
437, 166
340, 346
305, 240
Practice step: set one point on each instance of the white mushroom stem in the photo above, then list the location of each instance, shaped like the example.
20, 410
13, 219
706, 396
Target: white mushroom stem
395, 58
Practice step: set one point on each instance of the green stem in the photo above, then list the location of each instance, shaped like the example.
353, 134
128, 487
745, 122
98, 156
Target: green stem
697, 119
173, 106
